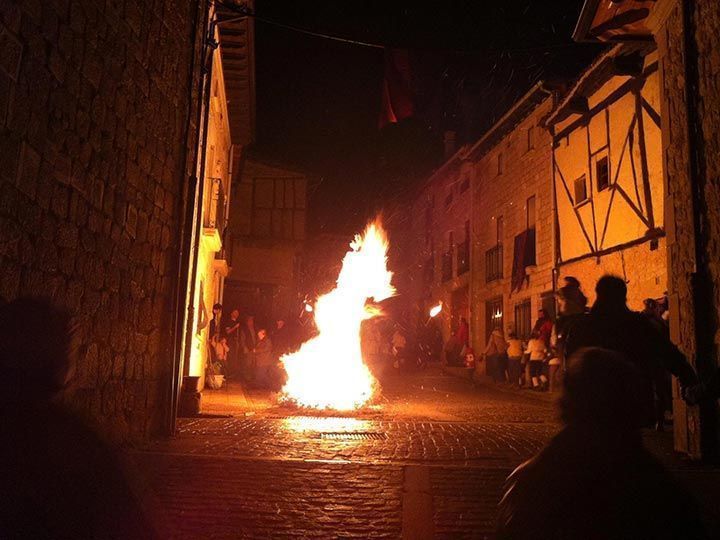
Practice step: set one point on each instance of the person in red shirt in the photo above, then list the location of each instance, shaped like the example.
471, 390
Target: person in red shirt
543, 327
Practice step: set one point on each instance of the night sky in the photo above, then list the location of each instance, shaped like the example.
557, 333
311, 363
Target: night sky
318, 101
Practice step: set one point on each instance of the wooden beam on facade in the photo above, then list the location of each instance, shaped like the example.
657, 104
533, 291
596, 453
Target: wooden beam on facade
578, 105
631, 65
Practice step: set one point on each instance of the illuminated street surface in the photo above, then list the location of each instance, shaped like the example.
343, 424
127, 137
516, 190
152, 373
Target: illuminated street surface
271, 471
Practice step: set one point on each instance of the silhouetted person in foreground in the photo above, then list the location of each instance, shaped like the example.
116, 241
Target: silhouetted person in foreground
595, 480
612, 325
59, 479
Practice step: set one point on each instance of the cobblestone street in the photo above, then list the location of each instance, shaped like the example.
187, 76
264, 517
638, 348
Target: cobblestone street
430, 458
428, 462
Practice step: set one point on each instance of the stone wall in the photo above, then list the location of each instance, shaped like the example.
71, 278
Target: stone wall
644, 269
688, 108
706, 104
95, 99
526, 172
441, 208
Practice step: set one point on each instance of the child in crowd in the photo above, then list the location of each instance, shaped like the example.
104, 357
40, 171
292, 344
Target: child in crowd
538, 351
515, 355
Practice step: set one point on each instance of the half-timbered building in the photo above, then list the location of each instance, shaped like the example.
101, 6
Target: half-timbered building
607, 174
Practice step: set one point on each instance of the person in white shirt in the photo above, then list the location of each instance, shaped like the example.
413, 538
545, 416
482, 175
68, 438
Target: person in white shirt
538, 352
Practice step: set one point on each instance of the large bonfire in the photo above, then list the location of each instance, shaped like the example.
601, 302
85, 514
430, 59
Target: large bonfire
328, 372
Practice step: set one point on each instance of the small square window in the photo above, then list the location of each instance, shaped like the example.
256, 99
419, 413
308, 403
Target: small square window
602, 173
580, 185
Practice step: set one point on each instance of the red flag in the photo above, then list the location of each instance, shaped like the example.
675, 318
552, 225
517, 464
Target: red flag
397, 95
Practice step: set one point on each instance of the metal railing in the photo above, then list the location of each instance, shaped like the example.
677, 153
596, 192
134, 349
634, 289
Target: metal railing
494, 263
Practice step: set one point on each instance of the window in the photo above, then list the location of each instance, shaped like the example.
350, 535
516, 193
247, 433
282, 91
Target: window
500, 163
523, 319
449, 199
493, 315
279, 208
494, 255
447, 259
530, 213
602, 173
531, 138
580, 186
463, 252
494, 263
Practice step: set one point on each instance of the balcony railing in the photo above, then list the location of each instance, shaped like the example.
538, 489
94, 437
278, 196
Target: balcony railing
494, 263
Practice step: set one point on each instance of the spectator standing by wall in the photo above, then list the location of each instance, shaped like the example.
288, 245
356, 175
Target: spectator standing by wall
515, 352
496, 355
264, 361
232, 329
537, 349
543, 327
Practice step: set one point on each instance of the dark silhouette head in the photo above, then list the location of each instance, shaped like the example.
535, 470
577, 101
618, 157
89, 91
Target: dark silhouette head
571, 281
571, 299
600, 391
611, 293
36, 345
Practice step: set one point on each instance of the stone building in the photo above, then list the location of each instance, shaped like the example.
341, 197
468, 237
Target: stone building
438, 267
119, 124
512, 226
228, 132
607, 175
267, 231
98, 143
685, 32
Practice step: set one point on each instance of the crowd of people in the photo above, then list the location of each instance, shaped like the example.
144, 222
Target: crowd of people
533, 362
523, 363
238, 349
594, 479
642, 337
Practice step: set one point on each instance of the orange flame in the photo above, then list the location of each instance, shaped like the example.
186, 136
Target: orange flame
328, 371
435, 310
